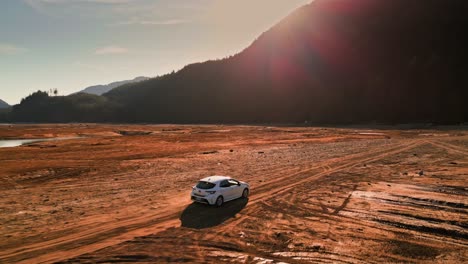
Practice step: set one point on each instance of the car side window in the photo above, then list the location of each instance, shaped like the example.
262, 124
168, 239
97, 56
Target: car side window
224, 184
233, 183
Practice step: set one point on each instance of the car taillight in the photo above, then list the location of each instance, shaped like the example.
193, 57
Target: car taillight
211, 192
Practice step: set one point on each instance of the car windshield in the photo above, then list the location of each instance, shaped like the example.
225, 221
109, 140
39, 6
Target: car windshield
205, 185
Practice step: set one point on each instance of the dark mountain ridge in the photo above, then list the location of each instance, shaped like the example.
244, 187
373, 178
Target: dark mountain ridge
332, 61
3, 104
101, 89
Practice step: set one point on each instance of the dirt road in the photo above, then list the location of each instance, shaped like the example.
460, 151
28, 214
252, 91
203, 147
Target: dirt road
120, 194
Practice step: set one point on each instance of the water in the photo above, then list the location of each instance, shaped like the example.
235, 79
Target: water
11, 143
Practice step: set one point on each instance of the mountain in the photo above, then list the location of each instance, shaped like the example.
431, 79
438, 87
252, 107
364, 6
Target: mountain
332, 61
3, 104
101, 89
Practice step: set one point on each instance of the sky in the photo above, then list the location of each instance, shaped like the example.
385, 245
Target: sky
72, 44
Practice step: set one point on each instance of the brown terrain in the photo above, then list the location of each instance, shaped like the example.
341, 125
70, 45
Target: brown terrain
331, 195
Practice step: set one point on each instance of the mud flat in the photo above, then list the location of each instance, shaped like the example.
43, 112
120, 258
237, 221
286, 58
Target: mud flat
119, 193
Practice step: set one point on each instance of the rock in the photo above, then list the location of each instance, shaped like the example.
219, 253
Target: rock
421, 173
210, 152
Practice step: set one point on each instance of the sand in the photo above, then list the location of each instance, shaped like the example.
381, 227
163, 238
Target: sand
120, 193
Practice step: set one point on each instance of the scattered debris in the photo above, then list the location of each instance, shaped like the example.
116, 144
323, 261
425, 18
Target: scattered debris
242, 234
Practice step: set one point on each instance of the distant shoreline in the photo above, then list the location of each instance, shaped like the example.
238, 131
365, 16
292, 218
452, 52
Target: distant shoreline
356, 126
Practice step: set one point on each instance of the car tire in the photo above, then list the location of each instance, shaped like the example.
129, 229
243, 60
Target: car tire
219, 201
245, 193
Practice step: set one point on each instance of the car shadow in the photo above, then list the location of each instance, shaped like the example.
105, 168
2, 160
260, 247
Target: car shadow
201, 216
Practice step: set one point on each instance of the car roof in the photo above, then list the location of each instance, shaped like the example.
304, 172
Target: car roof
214, 179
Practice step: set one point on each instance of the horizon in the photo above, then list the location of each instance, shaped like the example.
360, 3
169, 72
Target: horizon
70, 45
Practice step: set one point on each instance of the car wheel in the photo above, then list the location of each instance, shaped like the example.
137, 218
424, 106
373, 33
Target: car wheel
219, 201
245, 193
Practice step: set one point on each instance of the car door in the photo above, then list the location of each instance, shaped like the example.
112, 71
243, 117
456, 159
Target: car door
226, 190
235, 188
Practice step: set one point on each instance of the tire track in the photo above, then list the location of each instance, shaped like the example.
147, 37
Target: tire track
348, 163
286, 199
93, 239
269, 191
448, 146
107, 235
286, 183
33, 250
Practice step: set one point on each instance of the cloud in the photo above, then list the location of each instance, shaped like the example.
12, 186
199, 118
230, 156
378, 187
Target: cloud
7, 49
42, 5
121, 12
111, 50
36, 2
167, 22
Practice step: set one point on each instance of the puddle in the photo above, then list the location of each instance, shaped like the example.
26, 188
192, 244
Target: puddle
11, 143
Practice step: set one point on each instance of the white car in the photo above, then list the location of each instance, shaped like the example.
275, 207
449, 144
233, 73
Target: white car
215, 190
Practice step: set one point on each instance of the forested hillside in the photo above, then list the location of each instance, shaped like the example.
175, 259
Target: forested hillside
332, 61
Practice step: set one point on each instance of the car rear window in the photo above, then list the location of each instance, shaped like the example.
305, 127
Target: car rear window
205, 185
